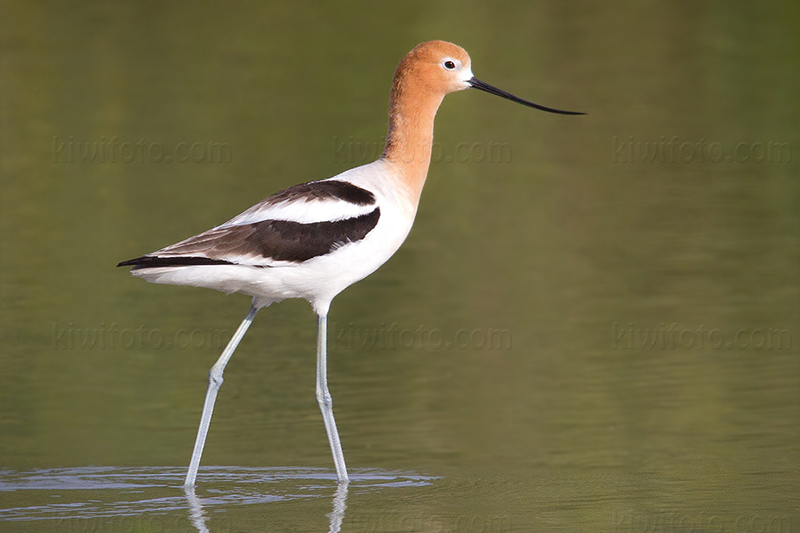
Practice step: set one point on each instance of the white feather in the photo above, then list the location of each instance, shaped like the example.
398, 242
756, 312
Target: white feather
302, 210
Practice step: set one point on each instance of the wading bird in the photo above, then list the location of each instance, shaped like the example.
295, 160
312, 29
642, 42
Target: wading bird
313, 240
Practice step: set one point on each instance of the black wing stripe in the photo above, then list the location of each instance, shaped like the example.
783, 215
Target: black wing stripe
283, 240
150, 261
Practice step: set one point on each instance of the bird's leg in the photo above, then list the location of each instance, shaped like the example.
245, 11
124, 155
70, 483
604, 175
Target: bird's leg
214, 383
325, 401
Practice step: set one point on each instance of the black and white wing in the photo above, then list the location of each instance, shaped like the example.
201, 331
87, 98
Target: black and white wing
297, 224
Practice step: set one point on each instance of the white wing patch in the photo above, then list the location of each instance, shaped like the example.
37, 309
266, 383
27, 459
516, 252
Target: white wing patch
302, 210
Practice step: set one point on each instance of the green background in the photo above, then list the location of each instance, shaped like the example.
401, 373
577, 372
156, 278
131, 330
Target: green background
673, 209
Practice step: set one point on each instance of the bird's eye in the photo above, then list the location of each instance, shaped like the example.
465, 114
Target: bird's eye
449, 65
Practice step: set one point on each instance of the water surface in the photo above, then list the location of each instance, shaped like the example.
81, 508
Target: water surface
593, 326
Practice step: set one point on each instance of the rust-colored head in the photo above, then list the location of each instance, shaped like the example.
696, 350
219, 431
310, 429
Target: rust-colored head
424, 76
437, 67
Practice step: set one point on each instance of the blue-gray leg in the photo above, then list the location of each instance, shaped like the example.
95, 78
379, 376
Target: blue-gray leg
324, 399
214, 383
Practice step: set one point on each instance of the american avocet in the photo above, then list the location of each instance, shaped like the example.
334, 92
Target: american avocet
314, 240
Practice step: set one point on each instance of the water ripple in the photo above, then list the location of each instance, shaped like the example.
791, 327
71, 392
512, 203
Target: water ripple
94, 492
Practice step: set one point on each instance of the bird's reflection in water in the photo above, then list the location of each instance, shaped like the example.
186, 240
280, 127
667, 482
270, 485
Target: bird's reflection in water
339, 505
197, 514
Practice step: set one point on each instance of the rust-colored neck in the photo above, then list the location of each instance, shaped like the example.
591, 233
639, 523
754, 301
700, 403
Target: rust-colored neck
409, 141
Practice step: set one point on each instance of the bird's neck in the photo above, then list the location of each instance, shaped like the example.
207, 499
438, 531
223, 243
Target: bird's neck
409, 140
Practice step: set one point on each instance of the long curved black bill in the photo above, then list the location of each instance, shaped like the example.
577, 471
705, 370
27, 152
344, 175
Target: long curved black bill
483, 86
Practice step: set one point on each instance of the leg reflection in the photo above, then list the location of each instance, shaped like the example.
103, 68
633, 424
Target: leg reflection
339, 505
198, 516
196, 513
